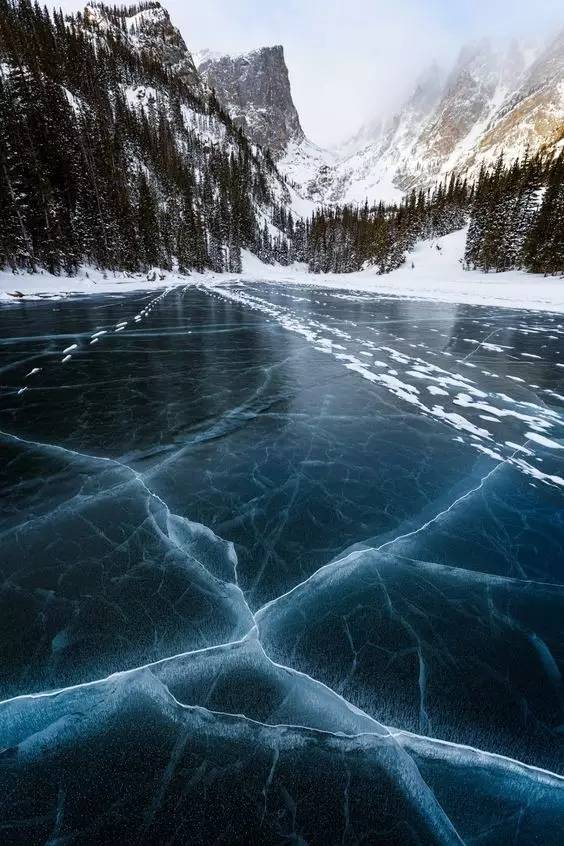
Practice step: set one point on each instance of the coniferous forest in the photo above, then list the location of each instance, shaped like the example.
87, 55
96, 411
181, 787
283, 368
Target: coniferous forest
515, 214
517, 217
109, 158
87, 176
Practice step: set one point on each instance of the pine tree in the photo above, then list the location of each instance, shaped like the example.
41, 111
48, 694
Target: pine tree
544, 248
147, 224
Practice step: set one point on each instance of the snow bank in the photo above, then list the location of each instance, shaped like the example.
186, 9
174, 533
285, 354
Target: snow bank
87, 281
437, 274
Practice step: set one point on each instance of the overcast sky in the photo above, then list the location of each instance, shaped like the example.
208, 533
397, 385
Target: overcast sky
350, 59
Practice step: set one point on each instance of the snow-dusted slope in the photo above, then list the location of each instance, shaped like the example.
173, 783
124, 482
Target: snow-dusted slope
371, 162
533, 115
151, 31
492, 101
475, 88
309, 168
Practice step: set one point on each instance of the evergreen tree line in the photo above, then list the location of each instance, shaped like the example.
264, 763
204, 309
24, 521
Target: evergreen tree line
517, 217
344, 239
89, 176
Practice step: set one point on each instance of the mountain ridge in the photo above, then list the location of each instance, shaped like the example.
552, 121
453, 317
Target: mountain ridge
490, 101
255, 89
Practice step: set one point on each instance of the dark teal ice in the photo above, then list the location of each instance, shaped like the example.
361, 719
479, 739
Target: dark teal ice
323, 533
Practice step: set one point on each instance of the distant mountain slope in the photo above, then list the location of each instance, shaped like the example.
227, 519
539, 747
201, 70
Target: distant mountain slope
532, 116
491, 101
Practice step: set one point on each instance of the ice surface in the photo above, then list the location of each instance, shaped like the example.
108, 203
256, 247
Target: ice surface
469, 658
300, 781
319, 553
104, 577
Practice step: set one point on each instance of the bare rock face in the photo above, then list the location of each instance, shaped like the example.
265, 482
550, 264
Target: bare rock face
157, 36
254, 89
468, 94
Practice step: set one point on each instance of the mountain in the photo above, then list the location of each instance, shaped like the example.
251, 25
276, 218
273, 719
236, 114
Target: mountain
116, 153
491, 101
254, 88
381, 151
149, 30
120, 151
533, 115
475, 91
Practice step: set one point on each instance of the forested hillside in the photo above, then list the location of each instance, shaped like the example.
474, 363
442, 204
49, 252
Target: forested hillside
110, 157
344, 239
516, 216
517, 219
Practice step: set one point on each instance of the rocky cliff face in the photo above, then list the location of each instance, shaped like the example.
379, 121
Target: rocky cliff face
466, 101
532, 116
255, 90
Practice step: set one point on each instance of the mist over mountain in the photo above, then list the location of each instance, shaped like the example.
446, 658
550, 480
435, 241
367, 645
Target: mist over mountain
124, 151
491, 100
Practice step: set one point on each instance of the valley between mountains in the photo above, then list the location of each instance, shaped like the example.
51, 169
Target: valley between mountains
282, 433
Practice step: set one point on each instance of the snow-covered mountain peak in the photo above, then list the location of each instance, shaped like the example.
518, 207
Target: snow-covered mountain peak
148, 28
531, 116
494, 99
205, 55
255, 90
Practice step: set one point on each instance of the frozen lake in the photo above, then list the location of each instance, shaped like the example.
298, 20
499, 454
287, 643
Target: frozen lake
370, 489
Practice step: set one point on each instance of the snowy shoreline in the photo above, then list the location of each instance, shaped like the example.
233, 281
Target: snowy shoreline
436, 275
